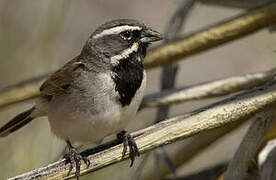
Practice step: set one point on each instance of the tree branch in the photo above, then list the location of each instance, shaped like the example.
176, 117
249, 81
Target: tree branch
233, 109
205, 39
207, 90
237, 168
213, 36
192, 147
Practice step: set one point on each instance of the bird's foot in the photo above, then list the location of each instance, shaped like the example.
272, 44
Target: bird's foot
74, 158
128, 141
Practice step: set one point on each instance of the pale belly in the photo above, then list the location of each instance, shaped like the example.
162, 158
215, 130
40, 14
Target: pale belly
80, 120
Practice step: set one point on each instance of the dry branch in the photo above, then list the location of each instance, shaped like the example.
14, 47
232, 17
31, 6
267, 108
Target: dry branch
233, 109
237, 168
205, 39
213, 36
209, 89
191, 148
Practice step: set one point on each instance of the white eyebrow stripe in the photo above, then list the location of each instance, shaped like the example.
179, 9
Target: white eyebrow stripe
125, 54
116, 30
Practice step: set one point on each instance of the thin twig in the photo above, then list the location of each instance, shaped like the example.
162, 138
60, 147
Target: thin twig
236, 108
237, 168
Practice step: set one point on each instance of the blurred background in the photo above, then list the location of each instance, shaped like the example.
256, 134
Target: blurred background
39, 36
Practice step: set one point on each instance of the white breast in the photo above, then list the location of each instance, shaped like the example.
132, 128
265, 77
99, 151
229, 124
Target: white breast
90, 119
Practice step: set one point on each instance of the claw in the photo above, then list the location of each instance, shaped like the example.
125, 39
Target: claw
128, 141
74, 158
86, 161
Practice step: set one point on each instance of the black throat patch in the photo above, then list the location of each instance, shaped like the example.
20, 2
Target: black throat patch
128, 77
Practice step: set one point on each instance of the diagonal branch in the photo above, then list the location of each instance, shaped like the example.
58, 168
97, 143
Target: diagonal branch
205, 39
236, 108
213, 36
207, 90
192, 147
237, 168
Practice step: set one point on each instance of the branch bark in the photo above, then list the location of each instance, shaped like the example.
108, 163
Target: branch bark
192, 147
236, 108
205, 39
207, 90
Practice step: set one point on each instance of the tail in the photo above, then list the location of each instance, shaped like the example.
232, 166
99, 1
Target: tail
17, 122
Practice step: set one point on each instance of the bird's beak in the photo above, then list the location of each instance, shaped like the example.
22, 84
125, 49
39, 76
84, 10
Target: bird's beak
149, 35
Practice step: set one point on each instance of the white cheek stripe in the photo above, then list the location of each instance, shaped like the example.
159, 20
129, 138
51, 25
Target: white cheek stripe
125, 54
116, 30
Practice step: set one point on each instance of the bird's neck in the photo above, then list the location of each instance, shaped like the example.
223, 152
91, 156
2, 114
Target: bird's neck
128, 77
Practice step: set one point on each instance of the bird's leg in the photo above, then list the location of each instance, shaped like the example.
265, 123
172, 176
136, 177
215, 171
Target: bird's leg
128, 141
74, 158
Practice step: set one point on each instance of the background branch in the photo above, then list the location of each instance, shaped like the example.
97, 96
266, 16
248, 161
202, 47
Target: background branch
233, 109
213, 36
238, 166
207, 90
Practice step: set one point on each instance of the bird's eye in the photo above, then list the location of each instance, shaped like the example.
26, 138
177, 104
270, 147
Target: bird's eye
126, 35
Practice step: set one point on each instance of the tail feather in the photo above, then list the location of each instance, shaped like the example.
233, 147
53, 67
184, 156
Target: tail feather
17, 122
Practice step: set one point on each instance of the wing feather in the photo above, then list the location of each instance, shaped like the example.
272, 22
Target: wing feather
59, 83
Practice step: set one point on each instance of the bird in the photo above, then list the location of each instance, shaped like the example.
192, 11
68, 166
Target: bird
97, 93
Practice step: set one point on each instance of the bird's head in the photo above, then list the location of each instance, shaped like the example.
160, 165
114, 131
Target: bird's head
119, 39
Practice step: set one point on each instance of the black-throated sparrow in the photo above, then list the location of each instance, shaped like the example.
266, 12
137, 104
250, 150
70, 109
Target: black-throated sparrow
97, 93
